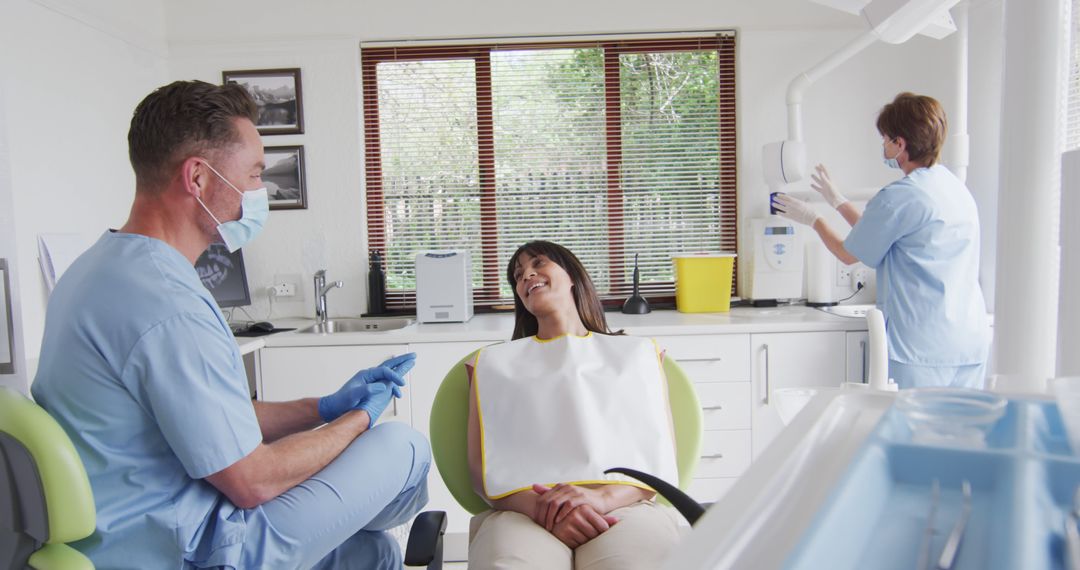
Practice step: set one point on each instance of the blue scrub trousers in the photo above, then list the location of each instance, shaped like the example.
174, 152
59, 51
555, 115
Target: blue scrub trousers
917, 376
336, 518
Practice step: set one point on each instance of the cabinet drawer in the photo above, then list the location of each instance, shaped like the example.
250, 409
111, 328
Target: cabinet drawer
710, 490
724, 453
710, 358
725, 405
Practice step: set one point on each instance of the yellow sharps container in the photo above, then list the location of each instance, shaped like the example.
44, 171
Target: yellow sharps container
703, 282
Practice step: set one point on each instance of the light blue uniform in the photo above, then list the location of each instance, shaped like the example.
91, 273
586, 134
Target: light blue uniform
921, 234
141, 370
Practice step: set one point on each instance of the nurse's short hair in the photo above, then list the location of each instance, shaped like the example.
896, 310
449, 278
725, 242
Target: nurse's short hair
920, 121
181, 120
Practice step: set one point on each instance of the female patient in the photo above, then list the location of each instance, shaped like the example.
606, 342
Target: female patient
549, 412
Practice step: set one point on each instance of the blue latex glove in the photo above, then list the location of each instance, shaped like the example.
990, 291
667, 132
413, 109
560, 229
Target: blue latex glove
360, 391
372, 398
401, 364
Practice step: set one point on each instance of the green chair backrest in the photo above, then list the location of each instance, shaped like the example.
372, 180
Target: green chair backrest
450, 423
69, 502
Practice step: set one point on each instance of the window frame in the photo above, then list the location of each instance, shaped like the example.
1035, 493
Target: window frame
486, 296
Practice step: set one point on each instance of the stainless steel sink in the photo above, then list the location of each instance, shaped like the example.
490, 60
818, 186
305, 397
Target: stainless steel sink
376, 324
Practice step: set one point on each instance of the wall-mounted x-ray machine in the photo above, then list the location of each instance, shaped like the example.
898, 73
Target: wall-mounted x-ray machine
889, 21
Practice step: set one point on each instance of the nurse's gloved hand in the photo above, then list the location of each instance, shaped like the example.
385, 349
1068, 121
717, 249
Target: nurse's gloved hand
822, 184
795, 209
356, 393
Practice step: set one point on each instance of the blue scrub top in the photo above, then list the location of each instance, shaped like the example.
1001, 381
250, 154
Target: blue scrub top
139, 367
921, 234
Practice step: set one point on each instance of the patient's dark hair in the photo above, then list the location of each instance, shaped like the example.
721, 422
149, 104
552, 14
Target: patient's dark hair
181, 120
586, 300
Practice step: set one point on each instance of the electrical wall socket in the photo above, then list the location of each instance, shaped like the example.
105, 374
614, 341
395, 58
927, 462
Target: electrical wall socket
861, 275
286, 287
843, 275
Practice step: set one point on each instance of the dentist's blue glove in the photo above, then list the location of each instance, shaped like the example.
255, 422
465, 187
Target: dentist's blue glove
369, 389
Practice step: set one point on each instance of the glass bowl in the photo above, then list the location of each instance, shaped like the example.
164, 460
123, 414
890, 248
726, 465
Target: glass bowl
951, 416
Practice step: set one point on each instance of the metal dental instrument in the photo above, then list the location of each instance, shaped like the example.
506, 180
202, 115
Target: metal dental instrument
1072, 534
928, 530
952, 545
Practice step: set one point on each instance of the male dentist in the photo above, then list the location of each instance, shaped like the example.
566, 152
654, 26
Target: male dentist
139, 367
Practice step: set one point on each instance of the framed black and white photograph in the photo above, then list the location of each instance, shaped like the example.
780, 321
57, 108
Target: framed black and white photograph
284, 177
277, 93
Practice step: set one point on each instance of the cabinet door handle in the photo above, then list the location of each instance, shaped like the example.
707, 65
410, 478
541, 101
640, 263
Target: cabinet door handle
716, 407
765, 351
713, 456
395, 405
862, 344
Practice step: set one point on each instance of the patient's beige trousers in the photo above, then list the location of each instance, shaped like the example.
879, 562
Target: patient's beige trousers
642, 538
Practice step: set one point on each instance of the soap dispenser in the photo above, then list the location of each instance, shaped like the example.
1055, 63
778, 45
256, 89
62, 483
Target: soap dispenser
376, 285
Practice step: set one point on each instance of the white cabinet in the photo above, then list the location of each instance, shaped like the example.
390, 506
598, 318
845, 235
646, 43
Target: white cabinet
725, 405
733, 375
433, 361
790, 360
719, 367
858, 356
290, 373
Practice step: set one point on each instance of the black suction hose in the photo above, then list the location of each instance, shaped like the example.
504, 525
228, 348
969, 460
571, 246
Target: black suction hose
687, 507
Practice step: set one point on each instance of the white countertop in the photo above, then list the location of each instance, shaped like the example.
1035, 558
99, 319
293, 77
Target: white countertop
498, 326
250, 344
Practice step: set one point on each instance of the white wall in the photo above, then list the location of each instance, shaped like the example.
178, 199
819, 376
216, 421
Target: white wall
194, 21
330, 234
8, 247
69, 168
75, 70
323, 40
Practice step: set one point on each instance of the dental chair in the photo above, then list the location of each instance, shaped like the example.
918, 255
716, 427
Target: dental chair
46, 501
45, 497
449, 427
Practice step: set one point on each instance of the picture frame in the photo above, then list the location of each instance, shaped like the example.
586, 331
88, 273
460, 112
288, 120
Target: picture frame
278, 94
284, 177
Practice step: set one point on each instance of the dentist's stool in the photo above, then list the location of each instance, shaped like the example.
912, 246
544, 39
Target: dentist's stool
450, 423
45, 497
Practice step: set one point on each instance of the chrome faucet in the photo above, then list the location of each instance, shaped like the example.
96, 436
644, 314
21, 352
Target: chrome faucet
321, 289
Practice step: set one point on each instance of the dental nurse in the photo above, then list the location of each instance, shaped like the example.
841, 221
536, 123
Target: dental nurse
921, 235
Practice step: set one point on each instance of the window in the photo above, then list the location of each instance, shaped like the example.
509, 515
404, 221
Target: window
611, 148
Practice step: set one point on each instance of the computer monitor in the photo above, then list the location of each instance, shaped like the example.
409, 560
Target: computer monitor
223, 274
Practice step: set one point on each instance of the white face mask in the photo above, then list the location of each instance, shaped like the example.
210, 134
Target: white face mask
254, 209
890, 162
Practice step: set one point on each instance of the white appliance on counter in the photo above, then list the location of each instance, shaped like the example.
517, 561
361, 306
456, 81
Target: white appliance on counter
443, 286
777, 265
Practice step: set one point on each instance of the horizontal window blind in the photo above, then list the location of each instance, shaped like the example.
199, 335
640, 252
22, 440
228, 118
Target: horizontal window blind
613, 149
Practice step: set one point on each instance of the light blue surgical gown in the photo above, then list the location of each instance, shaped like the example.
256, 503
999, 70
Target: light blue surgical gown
921, 235
139, 367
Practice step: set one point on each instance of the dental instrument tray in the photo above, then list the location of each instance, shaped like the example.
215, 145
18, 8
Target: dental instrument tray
908, 504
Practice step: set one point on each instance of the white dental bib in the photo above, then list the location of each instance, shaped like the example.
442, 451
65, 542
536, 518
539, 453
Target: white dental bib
564, 410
